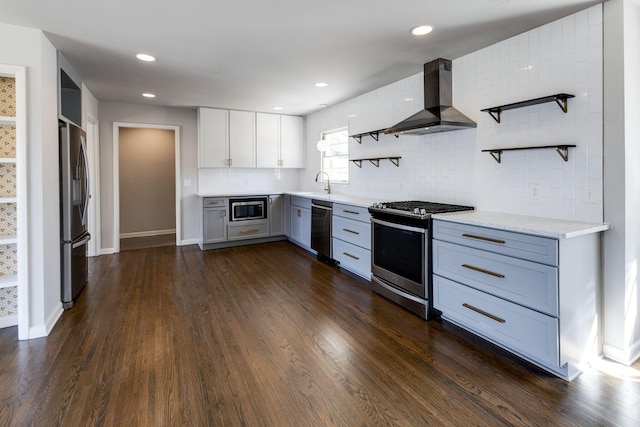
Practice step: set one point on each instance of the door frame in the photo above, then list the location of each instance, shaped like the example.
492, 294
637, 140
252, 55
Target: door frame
116, 176
93, 132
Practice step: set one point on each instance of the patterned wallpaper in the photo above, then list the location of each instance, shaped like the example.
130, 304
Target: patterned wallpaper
9, 301
7, 97
8, 260
7, 141
7, 180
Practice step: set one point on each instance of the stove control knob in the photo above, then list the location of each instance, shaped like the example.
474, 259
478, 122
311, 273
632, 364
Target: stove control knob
416, 211
423, 211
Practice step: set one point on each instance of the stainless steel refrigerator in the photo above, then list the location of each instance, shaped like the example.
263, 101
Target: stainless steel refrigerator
74, 204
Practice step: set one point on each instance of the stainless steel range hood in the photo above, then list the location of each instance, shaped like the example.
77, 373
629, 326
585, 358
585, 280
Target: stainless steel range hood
438, 114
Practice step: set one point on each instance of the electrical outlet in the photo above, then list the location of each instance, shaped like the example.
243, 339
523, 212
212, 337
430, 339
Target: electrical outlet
589, 195
187, 183
534, 191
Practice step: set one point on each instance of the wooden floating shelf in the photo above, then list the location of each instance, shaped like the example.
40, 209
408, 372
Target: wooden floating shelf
561, 149
560, 99
376, 161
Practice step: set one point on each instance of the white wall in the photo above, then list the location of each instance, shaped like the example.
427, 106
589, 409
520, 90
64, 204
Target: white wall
563, 56
133, 113
30, 48
622, 179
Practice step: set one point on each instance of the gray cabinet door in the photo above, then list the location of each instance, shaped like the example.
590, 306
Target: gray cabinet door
276, 215
215, 225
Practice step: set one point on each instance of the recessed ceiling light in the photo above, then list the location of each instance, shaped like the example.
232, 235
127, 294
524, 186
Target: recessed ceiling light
322, 84
277, 108
352, 115
421, 30
323, 105
149, 95
145, 57
408, 99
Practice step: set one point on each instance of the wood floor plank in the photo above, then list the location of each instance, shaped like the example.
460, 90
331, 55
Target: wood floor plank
267, 335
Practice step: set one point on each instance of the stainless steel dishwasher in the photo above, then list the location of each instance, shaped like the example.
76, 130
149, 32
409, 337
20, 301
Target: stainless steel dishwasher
321, 212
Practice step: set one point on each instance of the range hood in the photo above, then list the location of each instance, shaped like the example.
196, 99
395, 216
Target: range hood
438, 114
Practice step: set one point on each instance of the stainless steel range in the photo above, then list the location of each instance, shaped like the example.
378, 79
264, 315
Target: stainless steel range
401, 252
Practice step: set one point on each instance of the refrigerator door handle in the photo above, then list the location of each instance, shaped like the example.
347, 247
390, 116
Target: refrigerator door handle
81, 242
85, 159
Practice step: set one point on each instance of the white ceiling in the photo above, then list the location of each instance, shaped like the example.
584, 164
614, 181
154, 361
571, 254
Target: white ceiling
257, 54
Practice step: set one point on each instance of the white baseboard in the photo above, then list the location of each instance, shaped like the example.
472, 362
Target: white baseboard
147, 233
44, 330
8, 321
188, 242
107, 251
626, 356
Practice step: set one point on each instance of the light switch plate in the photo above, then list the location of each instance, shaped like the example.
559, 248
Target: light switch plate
187, 183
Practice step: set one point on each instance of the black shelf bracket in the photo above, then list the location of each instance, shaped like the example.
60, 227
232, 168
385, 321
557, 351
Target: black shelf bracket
376, 161
561, 149
560, 99
373, 134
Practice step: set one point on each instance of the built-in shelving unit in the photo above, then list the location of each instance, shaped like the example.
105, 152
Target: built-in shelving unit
13, 225
561, 149
376, 161
560, 99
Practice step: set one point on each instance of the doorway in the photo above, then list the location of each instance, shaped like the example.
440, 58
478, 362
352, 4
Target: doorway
146, 191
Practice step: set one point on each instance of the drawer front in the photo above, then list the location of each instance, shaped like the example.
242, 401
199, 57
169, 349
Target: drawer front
356, 232
302, 202
524, 246
523, 282
357, 213
248, 230
523, 331
353, 258
211, 202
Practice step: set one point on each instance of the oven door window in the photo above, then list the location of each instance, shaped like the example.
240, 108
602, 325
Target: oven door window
399, 251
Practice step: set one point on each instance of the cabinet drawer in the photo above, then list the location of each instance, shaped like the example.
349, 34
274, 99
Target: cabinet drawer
302, 202
353, 258
357, 213
523, 282
211, 202
521, 330
356, 232
248, 230
524, 246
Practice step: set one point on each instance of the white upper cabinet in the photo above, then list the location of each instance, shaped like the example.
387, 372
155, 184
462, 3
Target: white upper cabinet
213, 138
279, 141
268, 140
291, 142
242, 139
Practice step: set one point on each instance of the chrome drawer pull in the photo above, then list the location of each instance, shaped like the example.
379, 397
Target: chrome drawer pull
484, 313
351, 212
481, 270
351, 256
249, 230
487, 239
350, 231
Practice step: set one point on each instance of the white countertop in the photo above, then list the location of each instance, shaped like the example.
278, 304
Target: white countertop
546, 227
337, 198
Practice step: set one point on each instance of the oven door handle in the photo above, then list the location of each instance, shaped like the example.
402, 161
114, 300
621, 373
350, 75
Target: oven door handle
399, 226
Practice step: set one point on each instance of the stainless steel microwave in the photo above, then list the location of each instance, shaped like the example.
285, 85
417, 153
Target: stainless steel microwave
247, 208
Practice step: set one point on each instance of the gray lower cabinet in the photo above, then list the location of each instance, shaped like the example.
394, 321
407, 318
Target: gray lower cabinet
214, 221
300, 215
276, 215
532, 295
351, 228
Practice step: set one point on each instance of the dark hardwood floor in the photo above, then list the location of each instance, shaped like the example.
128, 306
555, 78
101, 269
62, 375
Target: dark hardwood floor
266, 335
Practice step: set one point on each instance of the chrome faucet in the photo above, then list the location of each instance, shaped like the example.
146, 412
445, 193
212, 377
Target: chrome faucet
327, 187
